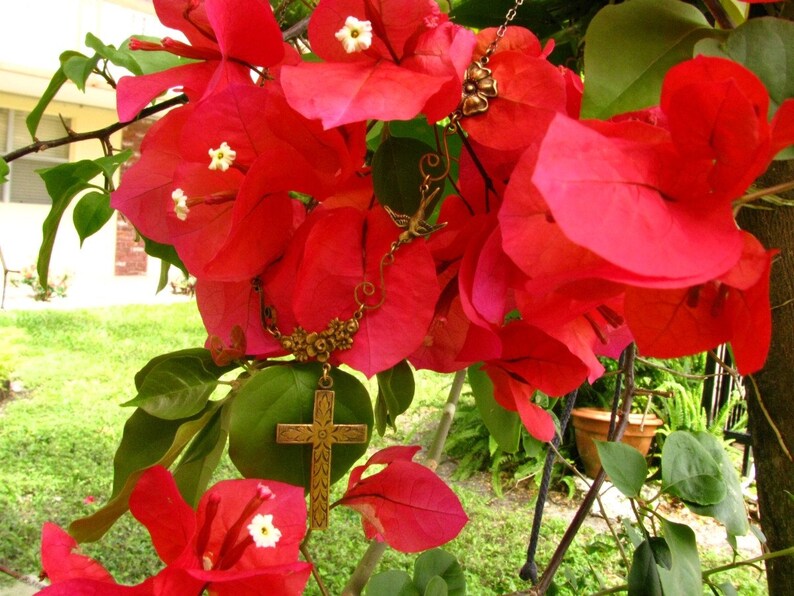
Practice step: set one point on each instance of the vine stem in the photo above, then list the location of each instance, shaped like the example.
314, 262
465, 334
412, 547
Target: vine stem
102, 134
316, 574
369, 561
786, 552
21, 578
364, 568
759, 194
437, 448
584, 509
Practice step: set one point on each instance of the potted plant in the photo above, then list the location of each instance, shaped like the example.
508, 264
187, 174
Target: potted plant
592, 424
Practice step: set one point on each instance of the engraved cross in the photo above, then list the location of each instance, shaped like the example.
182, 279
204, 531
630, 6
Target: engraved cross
321, 434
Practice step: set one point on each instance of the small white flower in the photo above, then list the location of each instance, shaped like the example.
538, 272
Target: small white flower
180, 204
356, 35
262, 530
222, 157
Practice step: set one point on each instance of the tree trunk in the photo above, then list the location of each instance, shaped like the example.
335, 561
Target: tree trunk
774, 467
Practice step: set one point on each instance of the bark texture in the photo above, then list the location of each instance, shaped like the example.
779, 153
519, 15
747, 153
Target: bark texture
774, 468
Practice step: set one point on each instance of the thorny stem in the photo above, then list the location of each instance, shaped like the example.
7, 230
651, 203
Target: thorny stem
786, 552
304, 548
22, 578
751, 562
102, 134
719, 13
677, 373
595, 487
759, 194
601, 507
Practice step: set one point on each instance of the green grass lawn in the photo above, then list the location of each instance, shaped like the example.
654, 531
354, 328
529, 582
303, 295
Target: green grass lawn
58, 437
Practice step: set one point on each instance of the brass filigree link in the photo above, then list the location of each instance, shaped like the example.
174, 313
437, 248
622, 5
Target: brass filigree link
478, 84
307, 345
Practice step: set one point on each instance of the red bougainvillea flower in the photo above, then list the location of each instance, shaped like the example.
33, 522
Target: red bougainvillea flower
531, 90
243, 539
734, 308
530, 360
383, 60
319, 280
228, 37
211, 208
406, 504
654, 203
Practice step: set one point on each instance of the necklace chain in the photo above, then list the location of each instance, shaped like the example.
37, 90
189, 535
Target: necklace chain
305, 345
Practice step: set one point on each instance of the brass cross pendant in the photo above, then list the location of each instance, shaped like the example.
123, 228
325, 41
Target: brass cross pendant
321, 434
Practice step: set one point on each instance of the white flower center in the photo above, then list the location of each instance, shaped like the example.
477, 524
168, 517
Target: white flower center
356, 35
222, 157
180, 204
262, 530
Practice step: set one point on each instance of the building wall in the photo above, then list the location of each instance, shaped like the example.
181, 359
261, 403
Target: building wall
26, 64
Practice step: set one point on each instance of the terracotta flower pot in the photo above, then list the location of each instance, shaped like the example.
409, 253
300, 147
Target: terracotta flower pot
593, 424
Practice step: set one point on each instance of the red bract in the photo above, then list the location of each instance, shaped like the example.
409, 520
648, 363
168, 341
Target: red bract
531, 359
320, 278
735, 308
411, 62
217, 232
244, 538
405, 504
229, 36
607, 193
531, 90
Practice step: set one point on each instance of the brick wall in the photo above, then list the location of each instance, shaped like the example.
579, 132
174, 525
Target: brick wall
130, 256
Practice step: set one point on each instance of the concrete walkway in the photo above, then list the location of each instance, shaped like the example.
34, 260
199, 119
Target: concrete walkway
88, 292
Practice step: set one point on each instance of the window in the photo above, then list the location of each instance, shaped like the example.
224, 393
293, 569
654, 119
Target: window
24, 185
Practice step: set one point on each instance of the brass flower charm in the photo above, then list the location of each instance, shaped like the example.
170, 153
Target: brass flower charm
478, 86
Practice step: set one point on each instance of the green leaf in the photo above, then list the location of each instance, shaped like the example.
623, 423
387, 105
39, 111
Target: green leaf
728, 589
689, 471
643, 579
392, 583
731, 511
166, 253
176, 387
684, 576
63, 182
194, 470
766, 47
629, 47
123, 58
537, 15
395, 392
439, 563
625, 466
436, 587
78, 68
4, 169
91, 213
57, 81
201, 354
504, 426
147, 441
396, 176
285, 394
634, 536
